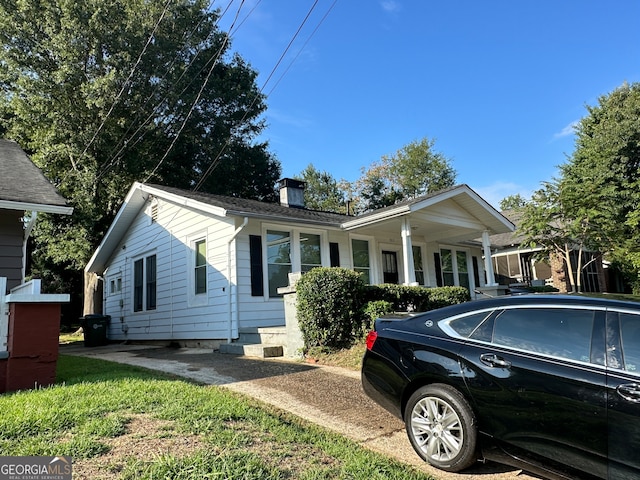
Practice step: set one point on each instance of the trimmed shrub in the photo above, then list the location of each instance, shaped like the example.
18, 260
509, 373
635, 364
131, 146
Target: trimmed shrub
417, 299
373, 310
329, 307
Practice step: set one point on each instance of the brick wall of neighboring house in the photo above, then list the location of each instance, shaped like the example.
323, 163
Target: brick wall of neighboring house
561, 277
559, 273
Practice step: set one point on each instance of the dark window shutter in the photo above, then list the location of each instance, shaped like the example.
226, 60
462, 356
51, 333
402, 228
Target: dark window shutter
255, 256
476, 272
334, 254
436, 261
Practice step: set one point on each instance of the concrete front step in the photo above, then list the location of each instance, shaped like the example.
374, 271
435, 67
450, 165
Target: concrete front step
260, 350
266, 335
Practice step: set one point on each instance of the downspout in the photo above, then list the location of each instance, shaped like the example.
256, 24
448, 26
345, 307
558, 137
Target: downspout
231, 239
27, 232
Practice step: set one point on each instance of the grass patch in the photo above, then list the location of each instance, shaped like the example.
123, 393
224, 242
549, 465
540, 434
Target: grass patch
126, 422
71, 337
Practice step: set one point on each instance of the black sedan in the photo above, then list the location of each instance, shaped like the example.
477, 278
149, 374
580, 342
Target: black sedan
547, 383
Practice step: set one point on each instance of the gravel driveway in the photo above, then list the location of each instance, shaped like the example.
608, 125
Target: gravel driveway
328, 396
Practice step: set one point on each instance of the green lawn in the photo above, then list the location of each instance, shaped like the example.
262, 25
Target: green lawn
91, 409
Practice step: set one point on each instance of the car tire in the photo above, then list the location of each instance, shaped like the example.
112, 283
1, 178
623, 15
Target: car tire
442, 427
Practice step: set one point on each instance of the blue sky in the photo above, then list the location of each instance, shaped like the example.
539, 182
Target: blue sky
497, 84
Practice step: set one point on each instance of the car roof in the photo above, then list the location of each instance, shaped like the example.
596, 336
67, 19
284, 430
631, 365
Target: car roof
536, 299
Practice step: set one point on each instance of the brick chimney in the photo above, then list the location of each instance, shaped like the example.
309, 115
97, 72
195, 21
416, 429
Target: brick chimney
291, 193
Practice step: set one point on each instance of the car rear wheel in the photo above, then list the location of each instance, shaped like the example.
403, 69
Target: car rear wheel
442, 427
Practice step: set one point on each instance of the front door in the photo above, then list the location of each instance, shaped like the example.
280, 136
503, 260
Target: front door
389, 267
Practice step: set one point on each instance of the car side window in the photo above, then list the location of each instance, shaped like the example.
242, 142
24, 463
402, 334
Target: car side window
467, 325
558, 332
630, 339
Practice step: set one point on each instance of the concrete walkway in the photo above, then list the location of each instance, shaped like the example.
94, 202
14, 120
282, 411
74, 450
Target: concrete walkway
327, 396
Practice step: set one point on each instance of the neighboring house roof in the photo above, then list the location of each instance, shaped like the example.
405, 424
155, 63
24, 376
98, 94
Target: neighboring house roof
23, 185
509, 239
483, 216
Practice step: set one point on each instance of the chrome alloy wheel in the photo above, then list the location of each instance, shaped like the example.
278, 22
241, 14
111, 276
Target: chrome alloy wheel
437, 429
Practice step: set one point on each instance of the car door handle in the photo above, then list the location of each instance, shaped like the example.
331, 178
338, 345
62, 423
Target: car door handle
493, 360
630, 392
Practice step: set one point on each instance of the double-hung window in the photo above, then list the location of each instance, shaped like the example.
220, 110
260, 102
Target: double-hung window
418, 265
310, 254
361, 261
144, 284
278, 260
200, 267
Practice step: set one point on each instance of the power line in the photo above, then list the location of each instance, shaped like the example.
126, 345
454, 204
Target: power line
122, 145
133, 69
213, 64
216, 160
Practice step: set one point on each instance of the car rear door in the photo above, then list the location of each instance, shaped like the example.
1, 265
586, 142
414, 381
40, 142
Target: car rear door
538, 388
623, 391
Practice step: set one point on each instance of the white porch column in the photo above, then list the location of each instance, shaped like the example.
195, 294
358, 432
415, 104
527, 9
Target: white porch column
488, 264
407, 253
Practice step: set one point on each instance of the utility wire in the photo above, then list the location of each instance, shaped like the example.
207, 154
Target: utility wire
216, 161
193, 106
133, 69
302, 48
122, 145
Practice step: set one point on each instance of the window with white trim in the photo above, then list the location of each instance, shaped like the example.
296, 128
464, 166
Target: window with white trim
418, 264
278, 260
200, 267
455, 269
310, 251
361, 260
144, 284
115, 285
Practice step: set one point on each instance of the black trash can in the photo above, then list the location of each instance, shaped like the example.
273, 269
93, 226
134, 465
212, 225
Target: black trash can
95, 328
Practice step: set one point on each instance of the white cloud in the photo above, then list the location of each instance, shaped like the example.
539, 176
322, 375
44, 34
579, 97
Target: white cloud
567, 131
276, 116
498, 191
390, 5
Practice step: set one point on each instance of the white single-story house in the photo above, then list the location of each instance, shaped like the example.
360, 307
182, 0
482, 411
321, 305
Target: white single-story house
179, 265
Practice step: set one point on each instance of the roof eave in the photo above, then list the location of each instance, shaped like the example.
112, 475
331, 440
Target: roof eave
36, 207
376, 217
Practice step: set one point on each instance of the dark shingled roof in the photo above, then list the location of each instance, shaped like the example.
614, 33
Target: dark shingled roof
255, 208
21, 181
505, 240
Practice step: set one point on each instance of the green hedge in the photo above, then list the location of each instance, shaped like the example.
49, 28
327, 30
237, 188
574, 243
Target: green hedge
329, 308
417, 299
335, 307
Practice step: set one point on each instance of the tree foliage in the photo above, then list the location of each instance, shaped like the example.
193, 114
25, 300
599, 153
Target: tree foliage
322, 191
594, 204
602, 177
105, 93
549, 222
414, 170
513, 202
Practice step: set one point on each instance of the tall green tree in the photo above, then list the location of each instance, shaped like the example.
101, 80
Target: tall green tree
322, 191
601, 180
102, 93
513, 202
550, 221
414, 170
